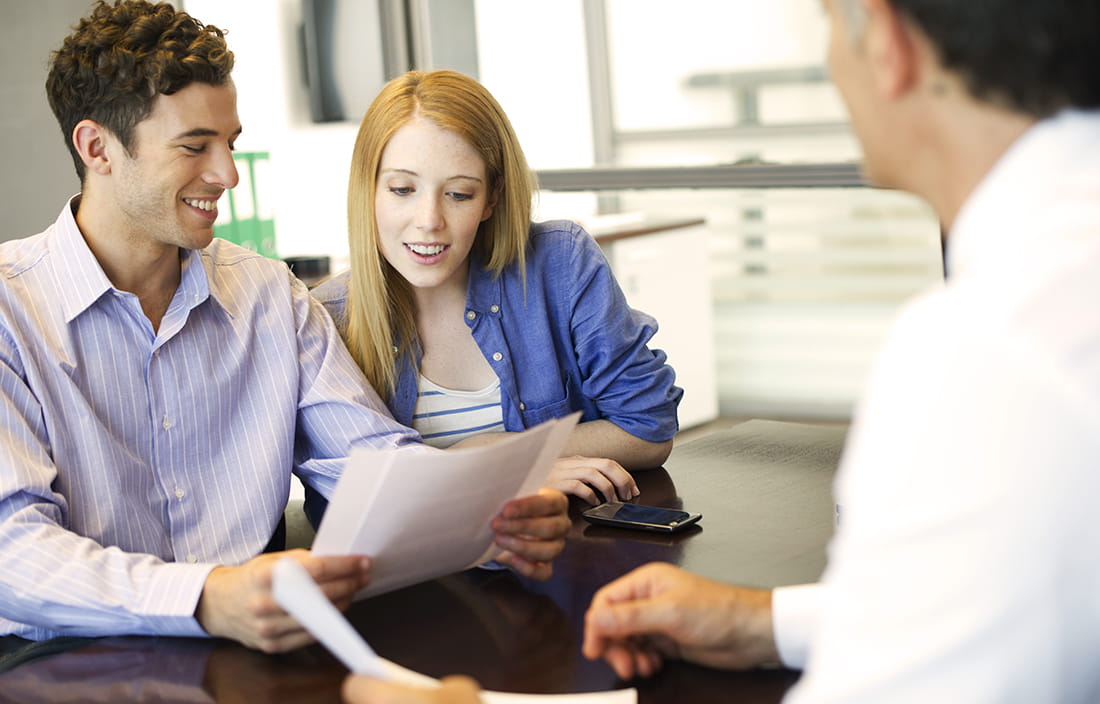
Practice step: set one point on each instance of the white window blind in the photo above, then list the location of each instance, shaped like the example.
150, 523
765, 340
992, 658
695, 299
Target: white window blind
803, 281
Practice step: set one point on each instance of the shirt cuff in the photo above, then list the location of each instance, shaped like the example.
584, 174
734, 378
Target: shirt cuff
172, 597
795, 612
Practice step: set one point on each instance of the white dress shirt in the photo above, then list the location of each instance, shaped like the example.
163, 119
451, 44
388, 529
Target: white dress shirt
967, 564
132, 461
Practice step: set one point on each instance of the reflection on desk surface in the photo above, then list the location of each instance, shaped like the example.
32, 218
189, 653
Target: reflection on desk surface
763, 487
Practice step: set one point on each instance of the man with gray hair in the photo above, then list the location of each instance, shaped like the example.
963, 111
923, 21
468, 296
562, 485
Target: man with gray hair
964, 564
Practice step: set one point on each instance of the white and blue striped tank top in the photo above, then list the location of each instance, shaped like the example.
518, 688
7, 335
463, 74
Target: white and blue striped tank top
445, 416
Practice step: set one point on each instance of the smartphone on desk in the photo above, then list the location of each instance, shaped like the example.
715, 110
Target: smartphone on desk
638, 517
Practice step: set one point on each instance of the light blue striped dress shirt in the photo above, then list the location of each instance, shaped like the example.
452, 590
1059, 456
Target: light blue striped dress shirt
132, 461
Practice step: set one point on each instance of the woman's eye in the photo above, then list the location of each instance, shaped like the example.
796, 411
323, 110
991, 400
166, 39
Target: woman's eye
400, 190
462, 196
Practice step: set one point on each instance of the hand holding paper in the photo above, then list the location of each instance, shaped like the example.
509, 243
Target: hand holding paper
420, 514
531, 531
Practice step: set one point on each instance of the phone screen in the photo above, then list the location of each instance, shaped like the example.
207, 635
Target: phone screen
653, 518
650, 514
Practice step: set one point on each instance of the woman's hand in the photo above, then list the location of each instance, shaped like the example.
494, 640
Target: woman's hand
531, 530
594, 479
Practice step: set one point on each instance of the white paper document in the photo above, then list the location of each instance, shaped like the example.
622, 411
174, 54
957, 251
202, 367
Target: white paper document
420, 513
300, 596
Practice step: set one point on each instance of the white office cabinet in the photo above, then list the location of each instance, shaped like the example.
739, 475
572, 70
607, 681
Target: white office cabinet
664, 272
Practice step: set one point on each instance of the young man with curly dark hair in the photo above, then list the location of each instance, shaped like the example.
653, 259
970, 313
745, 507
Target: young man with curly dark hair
158, 386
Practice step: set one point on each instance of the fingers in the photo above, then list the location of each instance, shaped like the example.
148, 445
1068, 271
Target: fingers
531, 530
546, 502
531, 549
575, 487
535, 569
585, 476
359, 689
340, 578
331, 567
544, 515
237, 602
296, 637
626, 608
630, 660
615, 621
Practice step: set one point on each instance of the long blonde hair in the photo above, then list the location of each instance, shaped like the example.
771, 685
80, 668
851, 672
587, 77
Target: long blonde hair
381, 310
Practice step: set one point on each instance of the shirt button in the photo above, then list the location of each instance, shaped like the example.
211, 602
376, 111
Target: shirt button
192, 559
470, 315
180, 493
494, 309
497, 356
166, 423
522, 406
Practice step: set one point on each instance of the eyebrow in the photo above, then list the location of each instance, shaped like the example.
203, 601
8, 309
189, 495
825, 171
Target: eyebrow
410, 172
204, 132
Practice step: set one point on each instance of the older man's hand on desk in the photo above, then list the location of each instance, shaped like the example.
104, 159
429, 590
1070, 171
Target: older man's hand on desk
237, 603
659, 611
366, 690
531, 530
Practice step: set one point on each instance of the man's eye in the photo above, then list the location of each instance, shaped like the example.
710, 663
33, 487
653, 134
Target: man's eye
194, 150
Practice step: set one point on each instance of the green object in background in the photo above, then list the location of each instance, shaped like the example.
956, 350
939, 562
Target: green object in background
249, 220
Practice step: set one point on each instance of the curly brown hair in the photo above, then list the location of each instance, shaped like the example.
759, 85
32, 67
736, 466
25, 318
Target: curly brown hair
120, 57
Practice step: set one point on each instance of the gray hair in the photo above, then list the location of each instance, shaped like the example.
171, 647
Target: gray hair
855, 16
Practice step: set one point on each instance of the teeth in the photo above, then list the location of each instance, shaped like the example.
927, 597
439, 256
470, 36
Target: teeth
426, 250
202, 204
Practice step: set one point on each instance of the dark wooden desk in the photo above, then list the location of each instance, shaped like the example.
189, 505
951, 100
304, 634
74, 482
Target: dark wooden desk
764, 491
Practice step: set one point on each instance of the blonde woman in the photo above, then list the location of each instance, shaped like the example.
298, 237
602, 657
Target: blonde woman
469, 319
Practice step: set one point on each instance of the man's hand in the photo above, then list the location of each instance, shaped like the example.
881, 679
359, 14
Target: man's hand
659, 611
531, 530
359, 689
237, 603
584, 476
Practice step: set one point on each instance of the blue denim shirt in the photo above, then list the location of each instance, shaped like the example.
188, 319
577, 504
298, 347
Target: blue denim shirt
567, 341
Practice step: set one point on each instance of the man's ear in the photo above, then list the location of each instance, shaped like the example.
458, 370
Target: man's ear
91, 141
891, 49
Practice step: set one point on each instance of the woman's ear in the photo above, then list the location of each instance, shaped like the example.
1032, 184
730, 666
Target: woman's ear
490, 204
90, 139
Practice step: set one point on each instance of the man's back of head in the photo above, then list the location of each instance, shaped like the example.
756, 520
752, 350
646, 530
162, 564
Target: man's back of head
1034, 57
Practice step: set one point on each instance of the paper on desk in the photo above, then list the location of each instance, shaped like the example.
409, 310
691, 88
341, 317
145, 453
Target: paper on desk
300, 596
424, 513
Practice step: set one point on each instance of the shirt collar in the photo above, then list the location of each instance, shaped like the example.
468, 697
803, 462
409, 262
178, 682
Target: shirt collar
483, 290
86, 281
194, 278
1002, 222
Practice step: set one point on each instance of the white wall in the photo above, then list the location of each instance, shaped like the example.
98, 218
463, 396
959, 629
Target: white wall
309, 162
542, 86
533, 60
